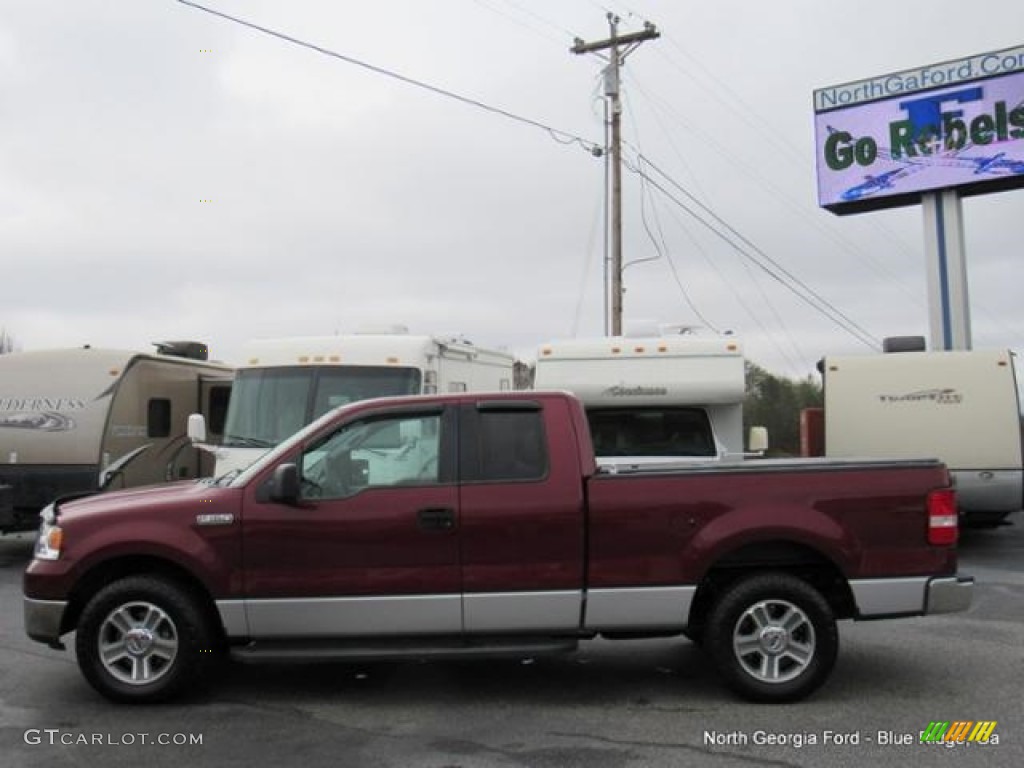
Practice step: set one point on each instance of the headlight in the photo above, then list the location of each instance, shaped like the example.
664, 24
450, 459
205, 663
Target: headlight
48, 514
50, 538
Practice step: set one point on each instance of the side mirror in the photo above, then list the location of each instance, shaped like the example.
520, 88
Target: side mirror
196, 428
758, 440
284, 485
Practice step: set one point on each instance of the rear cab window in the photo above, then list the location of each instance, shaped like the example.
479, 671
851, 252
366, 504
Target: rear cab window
503, 441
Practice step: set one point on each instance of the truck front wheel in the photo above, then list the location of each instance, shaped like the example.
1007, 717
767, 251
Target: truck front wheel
142, 639
773, 638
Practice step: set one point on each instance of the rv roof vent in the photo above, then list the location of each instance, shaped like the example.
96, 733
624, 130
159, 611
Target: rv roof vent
903, 344
679, 329
193, 350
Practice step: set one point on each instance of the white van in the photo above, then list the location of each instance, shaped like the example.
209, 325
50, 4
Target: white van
79, 420
961, 407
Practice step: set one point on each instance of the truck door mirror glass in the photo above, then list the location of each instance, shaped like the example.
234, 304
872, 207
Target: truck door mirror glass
758, 440
196, 428
284, 486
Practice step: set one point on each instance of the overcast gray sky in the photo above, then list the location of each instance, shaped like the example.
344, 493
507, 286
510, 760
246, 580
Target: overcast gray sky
168, 174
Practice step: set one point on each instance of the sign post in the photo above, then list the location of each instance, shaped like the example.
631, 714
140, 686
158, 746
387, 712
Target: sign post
949, 306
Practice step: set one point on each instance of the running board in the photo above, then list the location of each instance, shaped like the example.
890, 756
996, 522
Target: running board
421, 648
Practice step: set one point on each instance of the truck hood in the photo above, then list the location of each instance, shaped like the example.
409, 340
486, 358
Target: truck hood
148, 497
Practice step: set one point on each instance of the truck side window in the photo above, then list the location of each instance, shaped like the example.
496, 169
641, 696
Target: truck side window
378, 452
512, 446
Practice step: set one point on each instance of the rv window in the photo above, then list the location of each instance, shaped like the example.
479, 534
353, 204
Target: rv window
343, 384
217, 408
651, 432
158, 417
267, 405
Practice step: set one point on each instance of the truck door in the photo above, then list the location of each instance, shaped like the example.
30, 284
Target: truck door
371, 548
521, 517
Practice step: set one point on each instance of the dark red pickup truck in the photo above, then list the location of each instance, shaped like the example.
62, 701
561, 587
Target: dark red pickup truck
464, 524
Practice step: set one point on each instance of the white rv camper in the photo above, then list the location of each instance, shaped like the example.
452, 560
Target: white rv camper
961, 407
78, 420
661, 399
283, 384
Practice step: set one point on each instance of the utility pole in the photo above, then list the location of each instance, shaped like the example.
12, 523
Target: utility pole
615, 58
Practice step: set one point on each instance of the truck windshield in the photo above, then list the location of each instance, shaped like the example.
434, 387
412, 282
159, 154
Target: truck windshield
651, 432
269, 404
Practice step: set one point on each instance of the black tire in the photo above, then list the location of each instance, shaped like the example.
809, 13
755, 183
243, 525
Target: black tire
143, 639
695, 634
773, 638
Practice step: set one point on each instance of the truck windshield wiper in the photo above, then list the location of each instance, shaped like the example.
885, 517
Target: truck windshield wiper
227, 477
251, 442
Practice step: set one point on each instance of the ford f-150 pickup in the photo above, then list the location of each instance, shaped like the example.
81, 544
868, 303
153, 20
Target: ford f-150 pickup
465, 524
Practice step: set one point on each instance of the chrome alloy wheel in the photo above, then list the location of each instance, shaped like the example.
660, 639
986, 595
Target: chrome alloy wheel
773, 641
137, 643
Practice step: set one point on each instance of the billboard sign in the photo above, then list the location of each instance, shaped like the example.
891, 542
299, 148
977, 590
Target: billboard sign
881, 142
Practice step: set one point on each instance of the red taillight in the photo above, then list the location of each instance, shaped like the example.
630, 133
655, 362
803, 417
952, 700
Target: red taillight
943, 524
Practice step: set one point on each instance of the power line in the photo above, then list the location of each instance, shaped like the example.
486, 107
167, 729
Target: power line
731, 287
541, 19
806, 293
661, 248
780, 274
587, 259
783, 197
675, 274
770, 133
518, 22
563, 137
718, 219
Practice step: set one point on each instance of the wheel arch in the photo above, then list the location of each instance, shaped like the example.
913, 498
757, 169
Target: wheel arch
775, 555
115, 569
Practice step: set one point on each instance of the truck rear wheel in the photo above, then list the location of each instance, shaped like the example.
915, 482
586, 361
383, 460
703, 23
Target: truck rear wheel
773, 638
142, 639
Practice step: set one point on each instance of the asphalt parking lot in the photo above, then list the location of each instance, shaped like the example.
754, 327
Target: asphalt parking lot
611, 705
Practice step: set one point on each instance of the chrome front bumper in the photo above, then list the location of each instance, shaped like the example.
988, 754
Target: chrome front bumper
43, 619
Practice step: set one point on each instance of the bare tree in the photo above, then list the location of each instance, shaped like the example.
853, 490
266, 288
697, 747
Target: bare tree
6, 341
